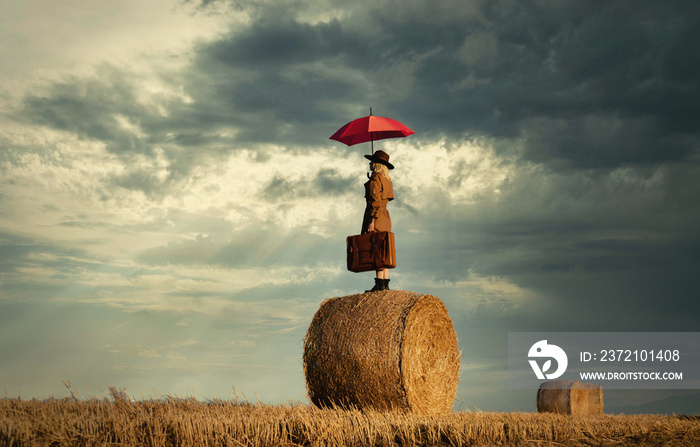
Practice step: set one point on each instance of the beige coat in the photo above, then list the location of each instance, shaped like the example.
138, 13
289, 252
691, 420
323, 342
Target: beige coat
378, 192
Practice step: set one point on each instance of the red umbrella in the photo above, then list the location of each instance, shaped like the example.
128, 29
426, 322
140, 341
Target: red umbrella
370, 128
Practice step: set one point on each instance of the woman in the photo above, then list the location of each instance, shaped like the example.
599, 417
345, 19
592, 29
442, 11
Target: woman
378, 192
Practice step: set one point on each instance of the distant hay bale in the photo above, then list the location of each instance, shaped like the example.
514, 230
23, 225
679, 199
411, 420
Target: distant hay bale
570, 397
389, 350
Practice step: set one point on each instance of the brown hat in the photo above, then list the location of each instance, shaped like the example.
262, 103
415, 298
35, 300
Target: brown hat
380, 157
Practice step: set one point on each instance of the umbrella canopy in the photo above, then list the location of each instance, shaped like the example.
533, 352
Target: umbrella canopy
370, 128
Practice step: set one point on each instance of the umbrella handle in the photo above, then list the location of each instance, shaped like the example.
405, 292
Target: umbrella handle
371, 135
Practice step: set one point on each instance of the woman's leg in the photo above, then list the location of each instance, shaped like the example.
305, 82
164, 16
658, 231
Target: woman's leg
385, 284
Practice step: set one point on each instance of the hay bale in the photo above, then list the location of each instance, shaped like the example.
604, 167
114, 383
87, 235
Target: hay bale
570, 397
389, 350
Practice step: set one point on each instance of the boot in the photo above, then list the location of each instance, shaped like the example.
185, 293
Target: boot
385, 285
377, 285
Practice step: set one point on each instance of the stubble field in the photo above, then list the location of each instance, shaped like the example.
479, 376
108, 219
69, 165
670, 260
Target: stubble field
188, 422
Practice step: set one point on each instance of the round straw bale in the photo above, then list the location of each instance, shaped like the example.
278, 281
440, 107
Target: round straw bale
389, 350
570, 397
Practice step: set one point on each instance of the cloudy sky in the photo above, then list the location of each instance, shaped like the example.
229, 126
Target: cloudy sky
172, 211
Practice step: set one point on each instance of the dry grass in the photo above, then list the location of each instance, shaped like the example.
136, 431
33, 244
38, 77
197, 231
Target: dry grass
186, 422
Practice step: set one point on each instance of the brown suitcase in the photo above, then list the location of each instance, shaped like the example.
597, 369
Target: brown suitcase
371, 251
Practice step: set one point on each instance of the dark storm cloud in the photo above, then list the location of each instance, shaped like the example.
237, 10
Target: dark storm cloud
598, 251
580, 84
327, 182
289, 101
143, 179
274, 46
265, 85
280, 73
106, 109
298, 73
575, 84
573, 80
90, 108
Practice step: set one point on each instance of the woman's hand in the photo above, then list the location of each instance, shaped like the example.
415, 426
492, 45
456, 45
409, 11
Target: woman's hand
370, 228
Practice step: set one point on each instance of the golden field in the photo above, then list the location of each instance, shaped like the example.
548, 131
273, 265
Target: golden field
188, 422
